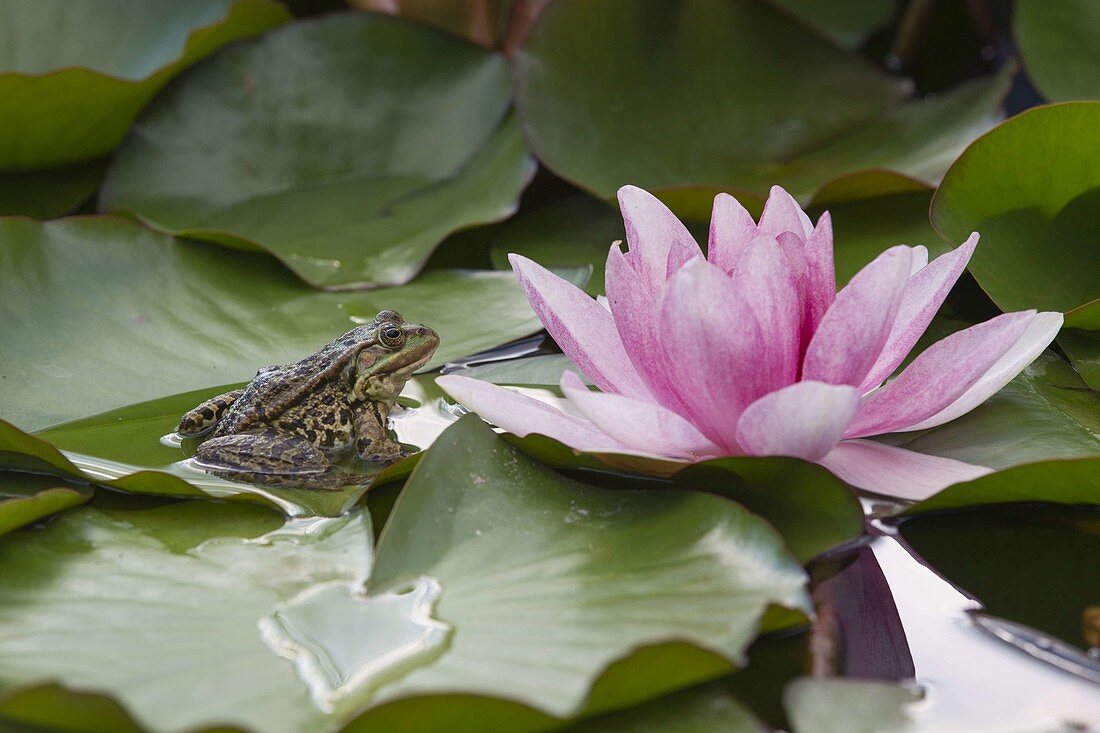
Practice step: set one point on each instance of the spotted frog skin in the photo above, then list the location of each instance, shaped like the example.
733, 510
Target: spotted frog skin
289, 419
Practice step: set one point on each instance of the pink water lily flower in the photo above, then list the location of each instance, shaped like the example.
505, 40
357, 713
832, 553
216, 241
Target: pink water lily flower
753, 351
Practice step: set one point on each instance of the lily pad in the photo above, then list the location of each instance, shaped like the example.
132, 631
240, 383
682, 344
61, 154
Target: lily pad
98, 312
1060, 46
74, 76
705, 709
639, 84
847, 22
451, 627
822, 705
1083, 349
1067, 481
1032, 188
349, 182
26, 498
576, 231
566, 558
48, 194
1046, 412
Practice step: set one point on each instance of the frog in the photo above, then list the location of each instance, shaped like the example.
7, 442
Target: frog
292, 419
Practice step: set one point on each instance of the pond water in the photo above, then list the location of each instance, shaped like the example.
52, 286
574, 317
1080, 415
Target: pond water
973, 681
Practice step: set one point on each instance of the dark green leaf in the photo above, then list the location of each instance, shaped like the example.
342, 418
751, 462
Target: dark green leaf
1060, 46
848, 22
735, 96
26, 498
576, 231
1032, 188
1068, 481
348, 146
74, 76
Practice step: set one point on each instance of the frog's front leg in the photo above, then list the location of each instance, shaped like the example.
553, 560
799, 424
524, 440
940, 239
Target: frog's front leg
372, 442
265, 452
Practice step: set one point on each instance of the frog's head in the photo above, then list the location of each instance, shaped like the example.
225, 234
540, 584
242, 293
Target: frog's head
393, 351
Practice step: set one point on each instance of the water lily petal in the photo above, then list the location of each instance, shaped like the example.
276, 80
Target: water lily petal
855, 328
804, 420
886, 469
642, 426
939, 376
1038, 335
656, 238
522, 415
920, 259
634, 310
583, 329
712, 347
924, 294
768, 284
731, 228
820, 285
783, 214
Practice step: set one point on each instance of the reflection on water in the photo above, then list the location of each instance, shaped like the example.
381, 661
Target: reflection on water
975, 682
345, 644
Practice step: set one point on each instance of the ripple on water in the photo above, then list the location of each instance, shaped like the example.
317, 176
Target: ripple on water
345, 644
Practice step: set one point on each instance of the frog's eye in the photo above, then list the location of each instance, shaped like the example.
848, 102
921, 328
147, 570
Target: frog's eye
392, 337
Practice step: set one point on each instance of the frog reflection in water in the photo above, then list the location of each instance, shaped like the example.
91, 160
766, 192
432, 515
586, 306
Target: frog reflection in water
289, 419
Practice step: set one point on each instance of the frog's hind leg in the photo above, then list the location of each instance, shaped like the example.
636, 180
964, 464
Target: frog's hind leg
262, 453
200, 419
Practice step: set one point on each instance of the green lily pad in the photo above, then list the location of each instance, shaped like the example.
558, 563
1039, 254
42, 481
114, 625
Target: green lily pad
1083, 349
26, 498
1024, 562
810, 507
1046, 412
1060, 46
707, 709
575, 231
487, 500
349, 182
638, 83
1070, 481
497, 597
48, 194
847, 22
1032, 188
74, 76
823, 705
814, 705
98, 312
